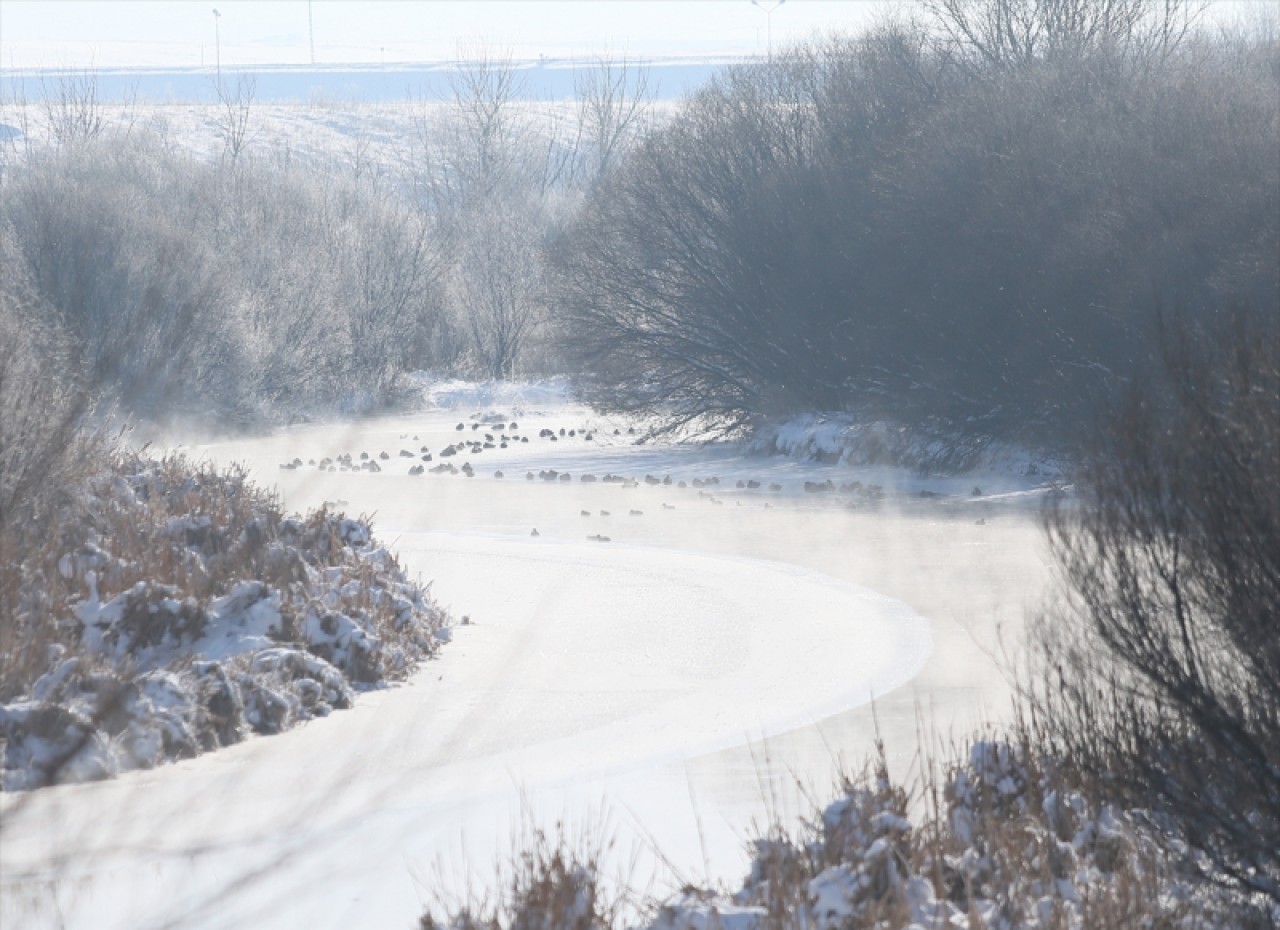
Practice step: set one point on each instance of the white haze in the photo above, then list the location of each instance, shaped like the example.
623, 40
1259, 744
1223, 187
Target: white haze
664, 691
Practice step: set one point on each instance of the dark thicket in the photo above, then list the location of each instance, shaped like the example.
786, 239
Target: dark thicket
907, 228
1168, 681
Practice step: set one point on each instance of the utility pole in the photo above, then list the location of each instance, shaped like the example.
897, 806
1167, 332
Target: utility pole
217, 43
311, 32
768, 14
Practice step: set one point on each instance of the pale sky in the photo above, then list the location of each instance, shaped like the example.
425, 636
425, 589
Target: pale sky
183, 33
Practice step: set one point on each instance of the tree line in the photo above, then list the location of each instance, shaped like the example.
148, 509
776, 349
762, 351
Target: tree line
963, 220
258, 286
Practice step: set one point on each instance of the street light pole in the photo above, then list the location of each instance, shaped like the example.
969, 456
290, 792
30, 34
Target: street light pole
217, 43
768, 16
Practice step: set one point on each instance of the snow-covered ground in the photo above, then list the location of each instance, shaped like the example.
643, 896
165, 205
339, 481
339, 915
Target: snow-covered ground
369, 140
666, 688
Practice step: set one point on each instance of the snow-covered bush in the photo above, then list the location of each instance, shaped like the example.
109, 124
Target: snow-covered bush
1004, 840
549, 884
181, 611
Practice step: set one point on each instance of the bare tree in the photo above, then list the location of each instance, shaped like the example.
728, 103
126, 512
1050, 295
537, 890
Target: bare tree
678, 278
867, 226
485, 92
485, 182
1005, 33
235, 112
480, 142
497, 283
364, 165
336, 285
392, 277
613, 108
73, 111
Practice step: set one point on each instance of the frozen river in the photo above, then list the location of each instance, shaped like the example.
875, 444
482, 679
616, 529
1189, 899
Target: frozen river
660, 692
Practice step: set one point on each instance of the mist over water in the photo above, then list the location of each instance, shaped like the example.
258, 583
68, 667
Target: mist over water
507, 732
883, 247
972, 565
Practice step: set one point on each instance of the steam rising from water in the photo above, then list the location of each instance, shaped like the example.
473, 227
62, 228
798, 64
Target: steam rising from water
965, 563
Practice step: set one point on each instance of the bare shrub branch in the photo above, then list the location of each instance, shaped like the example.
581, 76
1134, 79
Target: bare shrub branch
1165, 676
235, 113
73, 112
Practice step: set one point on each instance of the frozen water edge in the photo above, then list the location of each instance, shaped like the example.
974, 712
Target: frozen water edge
531, 707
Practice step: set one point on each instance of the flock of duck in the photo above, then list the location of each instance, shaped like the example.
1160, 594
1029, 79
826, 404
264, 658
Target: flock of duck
504, 434
497, 435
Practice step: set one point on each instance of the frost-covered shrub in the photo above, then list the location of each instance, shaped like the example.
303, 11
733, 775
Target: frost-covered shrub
259, 293
182, 612
547, 885
1013, 844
